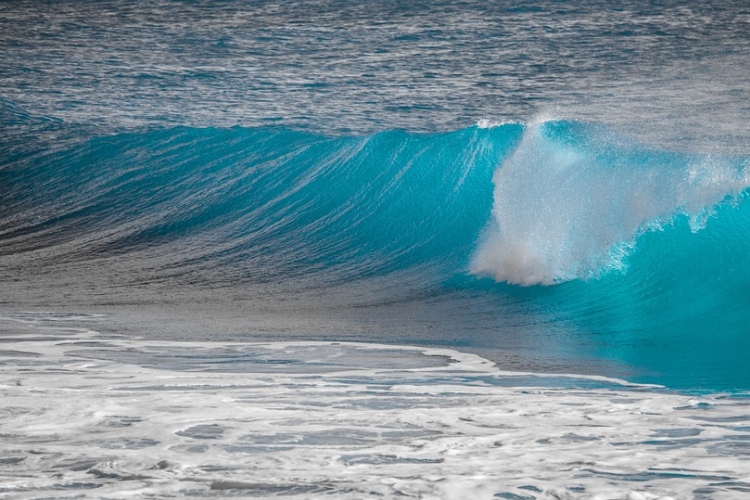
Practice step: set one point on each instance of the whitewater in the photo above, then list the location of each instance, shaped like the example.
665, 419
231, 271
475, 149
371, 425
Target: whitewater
340, 420
323, 250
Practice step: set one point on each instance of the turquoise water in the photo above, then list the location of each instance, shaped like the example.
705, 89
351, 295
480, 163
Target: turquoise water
561, 186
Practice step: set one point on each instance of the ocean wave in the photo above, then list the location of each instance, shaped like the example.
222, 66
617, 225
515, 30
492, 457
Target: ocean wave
634, 240
541, 203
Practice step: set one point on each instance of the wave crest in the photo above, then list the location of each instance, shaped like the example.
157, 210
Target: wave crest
572, 199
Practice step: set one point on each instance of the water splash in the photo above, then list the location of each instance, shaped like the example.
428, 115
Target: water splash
573, 198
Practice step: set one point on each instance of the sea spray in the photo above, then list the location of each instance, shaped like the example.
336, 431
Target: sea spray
573, 198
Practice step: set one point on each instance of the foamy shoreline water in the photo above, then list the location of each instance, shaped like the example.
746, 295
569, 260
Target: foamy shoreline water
95, 415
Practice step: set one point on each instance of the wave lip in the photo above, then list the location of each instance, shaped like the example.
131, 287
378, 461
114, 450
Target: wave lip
573, 198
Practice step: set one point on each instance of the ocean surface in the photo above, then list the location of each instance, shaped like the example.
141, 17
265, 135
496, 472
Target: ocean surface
397, 249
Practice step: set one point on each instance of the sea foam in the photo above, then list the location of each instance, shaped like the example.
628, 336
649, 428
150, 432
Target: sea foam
93, 415
572, 199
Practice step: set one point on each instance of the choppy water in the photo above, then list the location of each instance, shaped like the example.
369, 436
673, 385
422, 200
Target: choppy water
555, 187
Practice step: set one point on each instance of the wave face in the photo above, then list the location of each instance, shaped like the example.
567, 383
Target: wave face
625, 252
256, 205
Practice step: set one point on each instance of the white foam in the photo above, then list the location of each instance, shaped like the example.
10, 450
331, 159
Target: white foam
564, 210
100, 416
489, 123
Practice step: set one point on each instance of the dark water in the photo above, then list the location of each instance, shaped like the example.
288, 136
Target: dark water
556, 185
